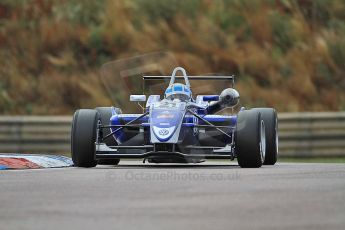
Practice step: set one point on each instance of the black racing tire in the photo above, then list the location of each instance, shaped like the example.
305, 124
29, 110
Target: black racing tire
83, 137
105, 115
250, 139
269, 115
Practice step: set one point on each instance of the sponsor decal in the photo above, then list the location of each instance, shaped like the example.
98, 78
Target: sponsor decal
164, 124
163, 132
166, 116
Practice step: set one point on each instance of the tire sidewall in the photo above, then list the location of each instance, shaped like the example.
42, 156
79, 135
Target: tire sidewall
269, 115
247, 139
83, 137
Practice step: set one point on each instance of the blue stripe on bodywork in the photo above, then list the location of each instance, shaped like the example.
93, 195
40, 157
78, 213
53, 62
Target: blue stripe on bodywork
120, 135
219, 118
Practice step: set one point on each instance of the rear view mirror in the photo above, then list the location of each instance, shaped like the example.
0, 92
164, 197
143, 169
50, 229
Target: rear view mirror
137, 98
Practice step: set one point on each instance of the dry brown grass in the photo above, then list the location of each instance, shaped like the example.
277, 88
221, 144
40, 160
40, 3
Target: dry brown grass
286, 54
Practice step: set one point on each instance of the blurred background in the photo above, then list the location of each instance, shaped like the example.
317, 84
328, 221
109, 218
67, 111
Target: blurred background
286, 54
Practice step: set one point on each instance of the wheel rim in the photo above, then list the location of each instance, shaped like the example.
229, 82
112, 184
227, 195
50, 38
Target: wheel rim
262, 141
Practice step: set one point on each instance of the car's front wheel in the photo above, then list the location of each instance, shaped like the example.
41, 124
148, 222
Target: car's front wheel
269, 115
250, 139
83, 137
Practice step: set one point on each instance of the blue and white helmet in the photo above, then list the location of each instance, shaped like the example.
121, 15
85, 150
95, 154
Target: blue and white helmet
178, 90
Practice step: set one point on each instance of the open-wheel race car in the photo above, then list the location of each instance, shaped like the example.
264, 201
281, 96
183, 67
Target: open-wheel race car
178, 128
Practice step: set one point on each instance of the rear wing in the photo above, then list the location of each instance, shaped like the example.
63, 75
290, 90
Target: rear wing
230, 78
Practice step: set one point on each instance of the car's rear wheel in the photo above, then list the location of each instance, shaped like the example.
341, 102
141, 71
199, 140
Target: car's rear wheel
269, 115
250, 143
105, 115
83, 137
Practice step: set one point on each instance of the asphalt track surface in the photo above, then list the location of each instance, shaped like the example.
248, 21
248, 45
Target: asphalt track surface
214, 195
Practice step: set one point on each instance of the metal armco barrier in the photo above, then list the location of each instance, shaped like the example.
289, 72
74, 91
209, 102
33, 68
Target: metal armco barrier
300, 134
312, 134
35, 134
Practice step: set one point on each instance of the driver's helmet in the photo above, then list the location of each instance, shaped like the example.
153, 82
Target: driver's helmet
178, 91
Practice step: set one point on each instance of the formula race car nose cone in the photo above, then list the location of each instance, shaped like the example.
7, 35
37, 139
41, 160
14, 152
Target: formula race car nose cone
165, 119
